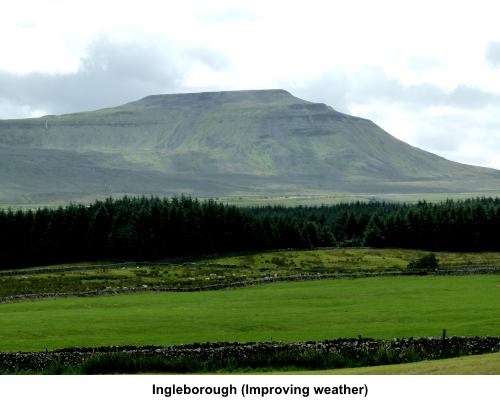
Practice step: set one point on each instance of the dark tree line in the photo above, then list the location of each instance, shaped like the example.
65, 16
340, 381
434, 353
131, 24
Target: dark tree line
146, 229
154, 228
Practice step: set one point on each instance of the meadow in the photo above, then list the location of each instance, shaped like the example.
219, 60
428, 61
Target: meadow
224, 270
408, 306
483, 364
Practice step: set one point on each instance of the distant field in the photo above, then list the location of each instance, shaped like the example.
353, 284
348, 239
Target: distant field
484, 364
289, 200
353, 259
299, 311
230, 269
330, 199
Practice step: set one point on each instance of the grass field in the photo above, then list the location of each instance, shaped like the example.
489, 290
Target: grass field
483, 364
288, 200
229, 269
299, 311
329, 199
350, 259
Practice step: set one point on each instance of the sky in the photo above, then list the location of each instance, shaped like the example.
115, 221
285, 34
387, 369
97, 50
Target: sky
428, 72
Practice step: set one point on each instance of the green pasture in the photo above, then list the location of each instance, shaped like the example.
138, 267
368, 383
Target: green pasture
242, 199
352, 259
291, 311
291, 200
230, 269
483, 364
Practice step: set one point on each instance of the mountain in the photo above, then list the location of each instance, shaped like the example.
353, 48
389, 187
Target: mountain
235, 143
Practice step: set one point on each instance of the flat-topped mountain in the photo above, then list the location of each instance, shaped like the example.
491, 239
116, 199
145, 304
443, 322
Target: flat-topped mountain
259, 142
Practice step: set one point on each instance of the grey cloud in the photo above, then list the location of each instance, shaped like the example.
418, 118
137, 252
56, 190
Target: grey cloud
341, 89
9, 109
110, 74
331, 89
214, 60
450, 135
374, 85
447, 135
493, 53
137, 61
466, 96
442, 134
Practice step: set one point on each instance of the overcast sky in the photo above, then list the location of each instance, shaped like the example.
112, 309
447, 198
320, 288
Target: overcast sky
427, 72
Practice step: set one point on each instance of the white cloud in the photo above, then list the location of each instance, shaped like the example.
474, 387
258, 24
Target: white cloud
493, 53
109, 74
427, 71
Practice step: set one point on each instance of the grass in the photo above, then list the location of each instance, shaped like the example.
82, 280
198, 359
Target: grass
230, 269
299, 311
291, 200
288, 200
482, 364
353, 259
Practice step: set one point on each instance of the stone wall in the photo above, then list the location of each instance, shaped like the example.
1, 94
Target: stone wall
403, 350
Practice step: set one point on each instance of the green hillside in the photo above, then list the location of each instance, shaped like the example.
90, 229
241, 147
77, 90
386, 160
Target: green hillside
239, 143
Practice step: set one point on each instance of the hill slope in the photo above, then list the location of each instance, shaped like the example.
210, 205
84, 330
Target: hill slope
264, 142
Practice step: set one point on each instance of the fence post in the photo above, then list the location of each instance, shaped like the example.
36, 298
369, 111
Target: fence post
444, 353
